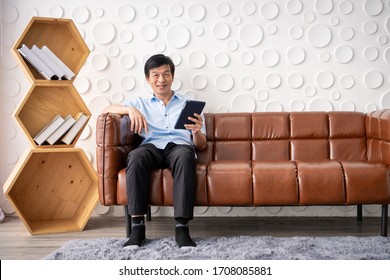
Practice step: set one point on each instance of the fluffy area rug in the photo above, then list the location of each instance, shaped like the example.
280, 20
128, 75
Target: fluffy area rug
225, 248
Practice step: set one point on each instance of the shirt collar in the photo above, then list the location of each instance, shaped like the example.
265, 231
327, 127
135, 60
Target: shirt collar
174, 96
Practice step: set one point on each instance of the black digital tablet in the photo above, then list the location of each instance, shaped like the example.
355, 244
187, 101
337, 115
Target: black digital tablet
189, 109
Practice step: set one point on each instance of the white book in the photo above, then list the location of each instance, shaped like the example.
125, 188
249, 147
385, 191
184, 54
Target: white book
68, 73
55, 123
81, 120
38, 64
65, 126
50, 63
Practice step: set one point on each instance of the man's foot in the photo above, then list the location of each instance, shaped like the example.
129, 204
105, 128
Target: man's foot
183, 238
137, 237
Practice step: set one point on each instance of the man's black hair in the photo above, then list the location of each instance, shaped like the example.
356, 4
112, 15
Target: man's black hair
158, 60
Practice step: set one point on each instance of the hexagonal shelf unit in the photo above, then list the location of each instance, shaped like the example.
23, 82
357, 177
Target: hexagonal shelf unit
53, 190
60, 36
45, 101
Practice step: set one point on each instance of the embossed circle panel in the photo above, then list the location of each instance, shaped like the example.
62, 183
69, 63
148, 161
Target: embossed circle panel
178, 36
104, 32
251, 35
224, 82
319, 35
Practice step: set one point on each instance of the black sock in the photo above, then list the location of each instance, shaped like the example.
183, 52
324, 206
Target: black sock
182, 221
183, 238
137, 235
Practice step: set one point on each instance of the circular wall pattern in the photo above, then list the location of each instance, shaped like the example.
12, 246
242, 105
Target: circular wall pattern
149, 32
297, 105
223, 9
81, 14
99, 62
373, 7
246, 34
296, 55
243, 103
310, 91
347, 81
199, 81
197, 59
347, 33
128, 61
224, 82
247, 58
344, 54
249, 8
104, 32
128, 83
319, 35
321, 104
178, 36
247, 82
269, 10
294, 7
11, 87
371, 53
270, 57
325, 79
346, 7
56, 11
221, 30
262, 95
295, 80
323, 7
9, 13
126, 13
196, 12
273, 80
373, 79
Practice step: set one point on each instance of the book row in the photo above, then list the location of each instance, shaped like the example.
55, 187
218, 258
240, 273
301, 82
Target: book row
46, 63
61, 130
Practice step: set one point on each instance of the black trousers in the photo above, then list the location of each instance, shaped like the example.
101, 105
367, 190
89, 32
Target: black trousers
145, 158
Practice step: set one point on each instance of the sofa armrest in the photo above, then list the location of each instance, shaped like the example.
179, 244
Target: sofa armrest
378, 136
114, 141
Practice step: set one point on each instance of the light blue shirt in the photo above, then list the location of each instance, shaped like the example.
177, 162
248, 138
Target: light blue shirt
161, 120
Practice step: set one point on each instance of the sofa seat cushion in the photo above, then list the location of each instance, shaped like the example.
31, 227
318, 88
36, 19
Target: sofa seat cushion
366, 182
320, 182
275, 183
229, 183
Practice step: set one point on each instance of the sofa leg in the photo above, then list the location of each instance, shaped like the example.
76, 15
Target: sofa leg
149, 214
128, 222
385, 216
359, 212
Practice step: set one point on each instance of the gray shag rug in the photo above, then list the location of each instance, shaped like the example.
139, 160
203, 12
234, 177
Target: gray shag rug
225, 248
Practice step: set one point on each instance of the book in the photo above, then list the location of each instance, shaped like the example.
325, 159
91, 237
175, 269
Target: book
81, 120
37, 63
44, 133
68, 73
50, 63
64, 127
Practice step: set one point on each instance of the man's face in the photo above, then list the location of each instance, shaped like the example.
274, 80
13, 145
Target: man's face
160, 79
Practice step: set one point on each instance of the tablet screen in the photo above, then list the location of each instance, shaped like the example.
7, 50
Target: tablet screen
190, 107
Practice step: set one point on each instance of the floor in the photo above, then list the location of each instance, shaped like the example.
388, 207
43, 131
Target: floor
16, 243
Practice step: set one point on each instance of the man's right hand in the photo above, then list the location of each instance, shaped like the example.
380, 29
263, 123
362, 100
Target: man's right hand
138, 121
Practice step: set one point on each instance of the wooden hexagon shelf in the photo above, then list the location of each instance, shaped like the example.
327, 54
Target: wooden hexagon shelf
45, 101
54, 190
60, 36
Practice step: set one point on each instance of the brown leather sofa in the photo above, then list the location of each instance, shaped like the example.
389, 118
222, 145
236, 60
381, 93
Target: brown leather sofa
267, 159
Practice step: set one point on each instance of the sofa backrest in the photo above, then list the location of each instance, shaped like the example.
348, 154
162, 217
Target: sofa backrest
285, 136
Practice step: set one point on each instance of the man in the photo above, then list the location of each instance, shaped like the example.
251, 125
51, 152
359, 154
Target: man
163, 146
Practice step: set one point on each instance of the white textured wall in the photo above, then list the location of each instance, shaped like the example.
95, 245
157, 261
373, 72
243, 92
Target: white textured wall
238, 55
